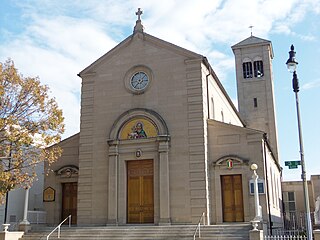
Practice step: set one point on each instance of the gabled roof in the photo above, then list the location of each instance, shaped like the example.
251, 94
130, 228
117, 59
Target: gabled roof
66, 140
252, 40
70, 138
139, 34
144, 37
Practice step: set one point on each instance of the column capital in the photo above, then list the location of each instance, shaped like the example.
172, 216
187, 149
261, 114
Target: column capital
163, 138
163, 143
113, 147
113, 142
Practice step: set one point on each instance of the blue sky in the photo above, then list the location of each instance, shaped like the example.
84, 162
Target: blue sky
56, 39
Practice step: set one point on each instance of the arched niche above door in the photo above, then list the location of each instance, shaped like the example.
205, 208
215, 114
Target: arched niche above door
138, 123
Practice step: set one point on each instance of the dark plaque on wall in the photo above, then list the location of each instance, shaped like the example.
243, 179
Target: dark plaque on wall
49, 194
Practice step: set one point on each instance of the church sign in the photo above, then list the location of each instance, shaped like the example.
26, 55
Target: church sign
49, 194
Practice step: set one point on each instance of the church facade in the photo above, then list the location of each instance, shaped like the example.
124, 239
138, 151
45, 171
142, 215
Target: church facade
161, 142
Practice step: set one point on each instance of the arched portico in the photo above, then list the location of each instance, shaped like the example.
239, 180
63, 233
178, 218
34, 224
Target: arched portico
138, 136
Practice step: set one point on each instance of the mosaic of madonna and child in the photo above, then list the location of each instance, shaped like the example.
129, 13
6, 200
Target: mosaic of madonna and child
139, 128
137, 131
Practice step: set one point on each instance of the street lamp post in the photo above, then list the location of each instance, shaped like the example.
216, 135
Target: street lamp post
258, 213
292, 66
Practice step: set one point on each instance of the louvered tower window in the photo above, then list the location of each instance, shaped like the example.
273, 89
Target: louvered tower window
247, 69
258, 68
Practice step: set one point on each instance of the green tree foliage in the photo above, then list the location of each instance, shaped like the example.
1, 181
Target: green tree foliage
30, 122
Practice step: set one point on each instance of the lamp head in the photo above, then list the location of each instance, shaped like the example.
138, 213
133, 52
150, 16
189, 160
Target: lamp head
254, 167
291, 62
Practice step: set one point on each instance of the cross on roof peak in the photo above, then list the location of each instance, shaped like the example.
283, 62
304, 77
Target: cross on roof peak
139, 13
251, 27
138, 27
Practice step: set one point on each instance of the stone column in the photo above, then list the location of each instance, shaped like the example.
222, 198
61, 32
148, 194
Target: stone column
24, 225
165, 217
113, 183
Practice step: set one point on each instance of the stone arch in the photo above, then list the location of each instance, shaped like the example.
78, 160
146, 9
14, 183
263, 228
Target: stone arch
125, 117
67, 169
124, 149
257, 58
236, 159
246, 59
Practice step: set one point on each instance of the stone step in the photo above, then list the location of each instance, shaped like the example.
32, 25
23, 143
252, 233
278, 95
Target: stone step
172, 232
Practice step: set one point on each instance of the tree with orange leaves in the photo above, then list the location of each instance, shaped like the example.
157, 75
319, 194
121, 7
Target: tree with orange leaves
30, 122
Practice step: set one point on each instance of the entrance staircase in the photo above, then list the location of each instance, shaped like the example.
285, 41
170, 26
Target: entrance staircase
172, 232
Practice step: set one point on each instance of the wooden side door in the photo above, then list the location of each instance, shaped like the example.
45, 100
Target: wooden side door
232, 198
140, 198
69, 201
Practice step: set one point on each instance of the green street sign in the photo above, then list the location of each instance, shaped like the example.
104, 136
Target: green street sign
291, 167
292, 164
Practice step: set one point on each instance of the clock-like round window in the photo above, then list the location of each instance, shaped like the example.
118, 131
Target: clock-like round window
139, 81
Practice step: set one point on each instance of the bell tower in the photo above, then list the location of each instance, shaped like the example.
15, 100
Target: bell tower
253, 59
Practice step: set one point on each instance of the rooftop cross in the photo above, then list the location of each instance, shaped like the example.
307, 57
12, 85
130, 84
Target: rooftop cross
138, 27
139, 13
251, 29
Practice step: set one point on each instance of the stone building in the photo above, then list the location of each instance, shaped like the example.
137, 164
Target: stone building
294, 204
161, 142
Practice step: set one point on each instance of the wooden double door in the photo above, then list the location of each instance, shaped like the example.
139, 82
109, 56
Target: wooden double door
140, 194
69, 201
232, 198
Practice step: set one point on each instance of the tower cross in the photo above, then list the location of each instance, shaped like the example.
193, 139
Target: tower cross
139, 13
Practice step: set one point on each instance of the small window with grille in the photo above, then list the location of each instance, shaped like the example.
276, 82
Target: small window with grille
13, 218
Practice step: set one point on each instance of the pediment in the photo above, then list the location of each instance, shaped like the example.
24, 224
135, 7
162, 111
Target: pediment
251, 41
68, 171
148, 39
236, 160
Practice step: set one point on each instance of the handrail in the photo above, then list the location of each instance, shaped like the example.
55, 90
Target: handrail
198, 226
58, 227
